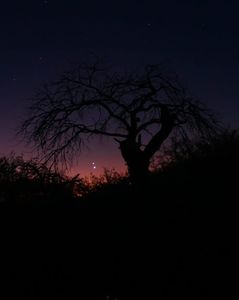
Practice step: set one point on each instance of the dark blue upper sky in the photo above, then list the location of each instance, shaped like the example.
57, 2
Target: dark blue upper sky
39, 39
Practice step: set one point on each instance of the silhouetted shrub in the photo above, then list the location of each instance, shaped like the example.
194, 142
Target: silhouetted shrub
29, 182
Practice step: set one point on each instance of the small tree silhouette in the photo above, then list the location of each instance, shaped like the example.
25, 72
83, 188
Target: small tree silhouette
140, 111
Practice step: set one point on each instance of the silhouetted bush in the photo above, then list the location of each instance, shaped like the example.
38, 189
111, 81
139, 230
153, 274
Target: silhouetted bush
27, 182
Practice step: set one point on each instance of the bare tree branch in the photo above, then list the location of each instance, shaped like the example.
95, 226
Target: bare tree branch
90, 101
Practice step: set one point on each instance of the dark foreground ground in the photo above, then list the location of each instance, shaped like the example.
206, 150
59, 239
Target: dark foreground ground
169, 252
173, 238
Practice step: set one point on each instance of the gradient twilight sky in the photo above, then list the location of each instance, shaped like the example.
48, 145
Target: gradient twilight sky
40, 39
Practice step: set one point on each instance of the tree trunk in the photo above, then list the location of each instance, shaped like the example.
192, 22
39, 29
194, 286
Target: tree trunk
138, 171
137, 163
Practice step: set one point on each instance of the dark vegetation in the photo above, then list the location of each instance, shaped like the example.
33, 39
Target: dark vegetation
169, 233
173, 236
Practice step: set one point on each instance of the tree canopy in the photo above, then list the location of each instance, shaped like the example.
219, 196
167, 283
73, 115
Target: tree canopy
139, 110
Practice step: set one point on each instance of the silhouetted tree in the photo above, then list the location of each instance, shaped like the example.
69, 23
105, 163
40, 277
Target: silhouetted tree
140, 111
